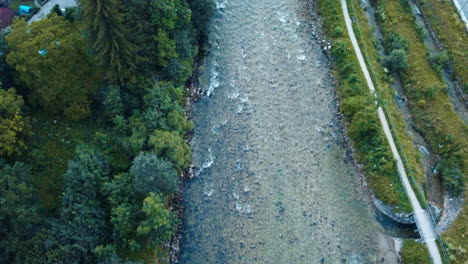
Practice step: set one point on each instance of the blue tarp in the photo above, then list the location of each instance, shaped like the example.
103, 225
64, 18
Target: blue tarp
25, 9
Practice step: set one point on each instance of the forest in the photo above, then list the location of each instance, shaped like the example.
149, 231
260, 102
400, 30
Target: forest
93, 127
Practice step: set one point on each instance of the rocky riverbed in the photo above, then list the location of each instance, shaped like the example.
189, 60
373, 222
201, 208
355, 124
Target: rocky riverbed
273, 182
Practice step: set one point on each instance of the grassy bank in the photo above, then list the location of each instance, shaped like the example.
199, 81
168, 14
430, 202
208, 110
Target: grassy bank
443, 19
370, 52
414, 253
433, 113
357, 105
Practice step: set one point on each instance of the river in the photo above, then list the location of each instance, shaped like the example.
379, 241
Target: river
273, 184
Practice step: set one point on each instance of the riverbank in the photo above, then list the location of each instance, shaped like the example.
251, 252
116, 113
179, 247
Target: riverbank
193, 94
357, 104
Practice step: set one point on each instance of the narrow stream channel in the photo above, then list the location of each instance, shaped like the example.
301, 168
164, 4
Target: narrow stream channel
274, 185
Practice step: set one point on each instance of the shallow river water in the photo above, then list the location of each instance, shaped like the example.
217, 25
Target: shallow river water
273, 185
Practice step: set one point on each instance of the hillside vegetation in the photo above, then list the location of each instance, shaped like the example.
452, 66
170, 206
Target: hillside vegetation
357, 105
92, 130
433, 113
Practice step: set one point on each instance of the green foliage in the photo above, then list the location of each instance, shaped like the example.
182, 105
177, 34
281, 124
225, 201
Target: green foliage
202, 12
159, 224
162, 108
102, 218
5, 69
103, 20
397, 60
357, 105
433, 114
414, 253
159, 108
50, 59
163, 35
125, 207
451, 33
18, 211
452, 175
56, 10
13, 126
365, 126
73, 14
172, 147
113, 105
439, 60
108, 255
81, 223
395, 41
397, 48
152, 174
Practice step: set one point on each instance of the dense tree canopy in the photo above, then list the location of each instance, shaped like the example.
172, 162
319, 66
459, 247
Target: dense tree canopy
163, 35
103, 20
81, 223
13, 126
18, 210
117, 74
159, 224
50, 59
152, 174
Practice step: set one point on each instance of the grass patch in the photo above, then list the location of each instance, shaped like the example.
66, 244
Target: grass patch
51, 147
456, 238
414, 253
357, 105
444, 20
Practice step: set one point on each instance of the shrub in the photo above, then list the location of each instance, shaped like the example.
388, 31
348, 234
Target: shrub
397, 61
439, 61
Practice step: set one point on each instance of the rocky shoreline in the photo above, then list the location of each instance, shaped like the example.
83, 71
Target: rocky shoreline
194, 94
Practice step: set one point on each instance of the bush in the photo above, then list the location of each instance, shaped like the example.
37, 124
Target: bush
394, 41
439, 61
397, 61
452, 176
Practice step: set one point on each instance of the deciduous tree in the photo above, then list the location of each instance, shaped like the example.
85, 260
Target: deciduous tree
50, 59
159, 224
13, 126
171, 146
152, 174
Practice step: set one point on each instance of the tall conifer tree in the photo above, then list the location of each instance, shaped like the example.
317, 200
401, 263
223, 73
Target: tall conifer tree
104, 22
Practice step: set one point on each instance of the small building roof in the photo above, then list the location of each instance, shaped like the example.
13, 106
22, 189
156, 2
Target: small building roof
6, 17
